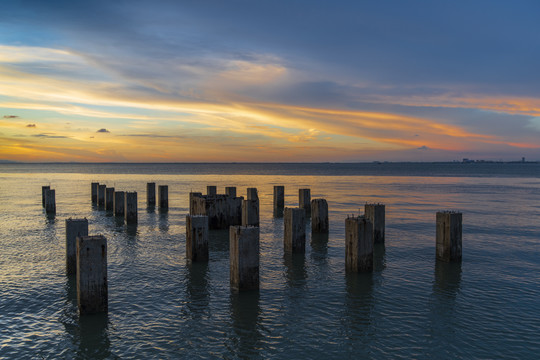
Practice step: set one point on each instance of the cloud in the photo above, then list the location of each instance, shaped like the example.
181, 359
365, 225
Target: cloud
103, 130
11, 116
48, 136
423, 147
31, 125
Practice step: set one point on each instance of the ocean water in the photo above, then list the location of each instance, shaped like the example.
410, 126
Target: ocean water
411, 306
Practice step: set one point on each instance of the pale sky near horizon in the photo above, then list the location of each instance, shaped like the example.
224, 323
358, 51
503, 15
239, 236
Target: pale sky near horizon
269, 80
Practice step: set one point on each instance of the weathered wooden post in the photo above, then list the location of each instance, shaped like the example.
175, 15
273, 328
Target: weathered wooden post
279, 200
74, 228
92, 287
244, 257
151, 194
130, 207
211, 190
449, 236
294, 232
358, 244
50, 201
163, 191
193, 203
319, 216
109, 199
230, 191
101, 194
197, 238
376, 214
250, 208
119, 199
94, 190
44, 194
304, 200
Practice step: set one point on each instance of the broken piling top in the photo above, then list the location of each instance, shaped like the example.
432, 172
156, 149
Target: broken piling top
101, 194
319, 216
196, 238
358, 244
163, 192
44, 194
109, 198
130, 207
376, 214
151, 194
230, 191
211, 190
294, 230
92, 287
252, 194
94, 191
244, 257
119, 200
304, 199
449, 236
74, 228
50, 201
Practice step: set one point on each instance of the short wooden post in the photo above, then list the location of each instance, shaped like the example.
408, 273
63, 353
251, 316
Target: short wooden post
94, 191
279, 197
376, 214
211, 190
294, 232
74, 228
358, 244
151, 194
197, 238
449, 236
101, 194
244, 257
319, 216
304, 199
92, 288
119, 202
109, 199
163, 192
130, 207
44, 194
50, 201
230, 191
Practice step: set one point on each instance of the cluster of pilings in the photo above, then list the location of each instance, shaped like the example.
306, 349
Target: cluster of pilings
86, 256
48, 199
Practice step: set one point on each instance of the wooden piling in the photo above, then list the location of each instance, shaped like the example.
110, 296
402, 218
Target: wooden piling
119, 202
92, 287
211, 190
163, 192
109, 199
376, 214
279, 197
151, 194
94, 191
101, 194
294, 232
304, 200
319, 216
449, 236
358, 244
44, 194
244, 257
196, 238
230, 191
130, 207
50, 201
74, 228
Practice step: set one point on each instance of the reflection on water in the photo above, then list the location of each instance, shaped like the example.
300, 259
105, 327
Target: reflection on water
295, 269
197, 288
319, 247
93, 337
379, 257
245, 316
359, 304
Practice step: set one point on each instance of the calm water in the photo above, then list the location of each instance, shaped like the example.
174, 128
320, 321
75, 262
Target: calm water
307, 307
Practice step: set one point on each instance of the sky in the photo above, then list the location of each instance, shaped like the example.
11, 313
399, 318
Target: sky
269, 81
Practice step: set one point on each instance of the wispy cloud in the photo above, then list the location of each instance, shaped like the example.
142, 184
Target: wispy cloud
103, 130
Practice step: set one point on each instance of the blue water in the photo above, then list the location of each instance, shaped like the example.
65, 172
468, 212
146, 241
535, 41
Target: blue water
307, 306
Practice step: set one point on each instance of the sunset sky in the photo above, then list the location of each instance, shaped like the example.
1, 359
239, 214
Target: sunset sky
233, 81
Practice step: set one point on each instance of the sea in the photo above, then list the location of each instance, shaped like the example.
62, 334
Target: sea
308, 306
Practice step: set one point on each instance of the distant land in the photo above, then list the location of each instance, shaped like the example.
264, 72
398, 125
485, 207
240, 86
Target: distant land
9, 162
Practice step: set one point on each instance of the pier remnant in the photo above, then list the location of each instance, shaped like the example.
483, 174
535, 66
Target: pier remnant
319, 216
304, 199
223, 211
244, 257
50, 201
151, 194
74, 228
294, 232
92, 287
119, 200
449, 236
94, 191
101, 194
44, 194
163, 192
197, 238
109, 199
376, 214
279, 199
358, 244
211, 190
250, 208
230, 191
130, 207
